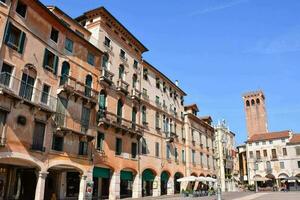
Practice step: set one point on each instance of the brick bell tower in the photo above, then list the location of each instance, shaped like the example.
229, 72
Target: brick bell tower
256, 115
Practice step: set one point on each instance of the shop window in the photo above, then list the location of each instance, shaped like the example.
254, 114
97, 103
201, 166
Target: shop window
5, 75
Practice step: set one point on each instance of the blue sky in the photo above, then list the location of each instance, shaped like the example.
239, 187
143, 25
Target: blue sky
219, 49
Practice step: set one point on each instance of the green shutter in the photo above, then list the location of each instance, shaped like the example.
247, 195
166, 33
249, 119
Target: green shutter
7, 32
102, 100
55, 64
21, 42
126, 175
101, 172
45, 58
148, 175
164, 176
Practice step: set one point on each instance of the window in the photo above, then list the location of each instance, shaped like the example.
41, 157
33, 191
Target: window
168, 152
283, 140
176, 154
83, 148
157, 120
156, 149
252, 102
145, 74
100, 141
45, 94
284, 152
297, 151
121, 72
183, 156
298, 164
50, 61
135, 64
88, 85
118, 146
5, 75
69, 45
182, 100
274, 155
164, 87
265, 153
57, 143
270, 142
256, 166
247, 103
201, 159
281, 165
21, 9
263, 142
269, 167
257, 154
251, 154
122, 53
54, 35
2, 121
133, 117
85, 119
119, 111
133, 150
257, 101
208, 165
250, 144
38, 136
64, 74
14, 38
105, 61
256, 143
107, 41
26, 88
144, 115
157, 83
134, 81
193, 156
91, 59
144, 146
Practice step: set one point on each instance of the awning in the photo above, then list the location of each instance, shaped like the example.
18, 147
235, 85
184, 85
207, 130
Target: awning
164, 176
148, 175
187, 179
261, 179
295, 178
126, 175
101, 172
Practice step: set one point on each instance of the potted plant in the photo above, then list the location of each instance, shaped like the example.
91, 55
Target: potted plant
184, 193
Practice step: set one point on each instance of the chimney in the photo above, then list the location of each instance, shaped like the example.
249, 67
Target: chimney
176, 83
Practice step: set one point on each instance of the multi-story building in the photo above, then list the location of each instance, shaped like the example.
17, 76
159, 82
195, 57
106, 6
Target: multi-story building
82, 114
226, 157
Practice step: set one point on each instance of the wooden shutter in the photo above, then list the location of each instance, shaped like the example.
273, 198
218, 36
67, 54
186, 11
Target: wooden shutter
55, 65
45, 58
21, 42
7, 32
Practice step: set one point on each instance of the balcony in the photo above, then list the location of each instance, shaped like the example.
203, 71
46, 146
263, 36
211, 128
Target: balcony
28, 94
135, 94
106, 77
72, 86
71, 125
108, 119
122, 86
124, 59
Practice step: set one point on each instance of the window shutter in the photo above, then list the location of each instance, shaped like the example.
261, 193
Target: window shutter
55, 65
7, 32
45, 58
21, 43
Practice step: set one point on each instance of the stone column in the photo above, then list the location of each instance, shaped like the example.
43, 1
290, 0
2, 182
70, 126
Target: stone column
40, 186
156, 191
82, 187
171, 186
137, 186
114, 187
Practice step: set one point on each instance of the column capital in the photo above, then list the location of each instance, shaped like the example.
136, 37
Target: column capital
43, 174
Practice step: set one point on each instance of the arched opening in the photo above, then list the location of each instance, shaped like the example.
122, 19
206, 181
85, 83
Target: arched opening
62, 175
148, 177
252, 102
27, 82
18, 177
119, 111
257, 101
64, 75
134, 81
105, 59
101, 179
126, 182
164, 178
282, 180
121, 72
247, 103
177, 176
88, 85
272, 181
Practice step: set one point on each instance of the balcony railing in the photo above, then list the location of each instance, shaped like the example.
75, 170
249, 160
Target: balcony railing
122, 86
28, 93
113, 120
135, 94
106, 76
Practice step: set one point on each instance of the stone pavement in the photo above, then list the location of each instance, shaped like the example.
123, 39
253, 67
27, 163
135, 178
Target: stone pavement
238, 196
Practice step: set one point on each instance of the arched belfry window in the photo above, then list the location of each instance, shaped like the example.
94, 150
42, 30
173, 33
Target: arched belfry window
257, 101
247, 103
252, 102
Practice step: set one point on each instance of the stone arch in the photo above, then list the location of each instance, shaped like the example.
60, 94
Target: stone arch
15, 157
194, 174
202, 175
282, 175
148, 177
67, 163
164, 179
208, 175
177, 184
252, 102
247, 103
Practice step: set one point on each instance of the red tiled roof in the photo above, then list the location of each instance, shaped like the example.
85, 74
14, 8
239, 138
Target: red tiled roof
269, 136
295, 139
